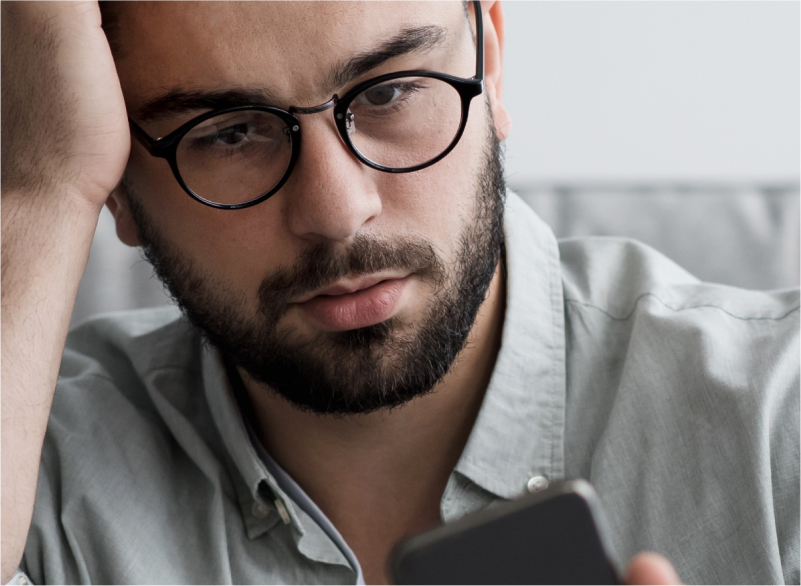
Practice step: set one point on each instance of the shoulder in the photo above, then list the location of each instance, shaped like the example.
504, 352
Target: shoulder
645, 307
119, 374
679, 384
117, 365
624, 280
660, 321
123, 350
130, 442
147, 337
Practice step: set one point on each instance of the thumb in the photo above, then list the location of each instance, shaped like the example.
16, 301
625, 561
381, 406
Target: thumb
651, 568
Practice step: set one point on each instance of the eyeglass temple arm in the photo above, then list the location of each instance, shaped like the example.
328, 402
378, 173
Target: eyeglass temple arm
479, 41
142, 136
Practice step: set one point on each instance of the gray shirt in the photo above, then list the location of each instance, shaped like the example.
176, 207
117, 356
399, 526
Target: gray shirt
678, 400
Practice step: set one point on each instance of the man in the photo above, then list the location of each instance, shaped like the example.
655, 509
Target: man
388, 346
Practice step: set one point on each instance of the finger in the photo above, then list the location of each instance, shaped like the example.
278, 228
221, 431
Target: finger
651, 568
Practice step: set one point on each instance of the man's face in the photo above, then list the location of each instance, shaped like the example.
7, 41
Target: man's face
350, 289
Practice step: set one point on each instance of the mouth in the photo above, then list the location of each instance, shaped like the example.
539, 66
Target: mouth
354, 304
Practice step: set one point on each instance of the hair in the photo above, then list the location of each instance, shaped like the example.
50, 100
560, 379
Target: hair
110, 22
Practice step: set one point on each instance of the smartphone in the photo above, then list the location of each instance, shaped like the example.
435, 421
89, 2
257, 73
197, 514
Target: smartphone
556, 536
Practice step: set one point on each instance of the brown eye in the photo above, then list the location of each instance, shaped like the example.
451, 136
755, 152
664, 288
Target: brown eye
234, 134
381, 95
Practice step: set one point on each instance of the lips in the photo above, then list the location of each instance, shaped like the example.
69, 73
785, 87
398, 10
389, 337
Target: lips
347, 307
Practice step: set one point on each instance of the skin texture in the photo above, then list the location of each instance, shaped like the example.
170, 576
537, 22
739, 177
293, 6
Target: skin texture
59, 168
651, 568
61, 156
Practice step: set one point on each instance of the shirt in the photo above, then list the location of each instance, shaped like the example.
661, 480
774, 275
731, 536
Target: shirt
678, 400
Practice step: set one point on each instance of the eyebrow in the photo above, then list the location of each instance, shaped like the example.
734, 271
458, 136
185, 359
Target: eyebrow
179, 101
408, 40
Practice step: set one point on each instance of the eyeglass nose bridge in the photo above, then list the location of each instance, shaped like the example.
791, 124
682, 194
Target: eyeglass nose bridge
314, 109
349, 119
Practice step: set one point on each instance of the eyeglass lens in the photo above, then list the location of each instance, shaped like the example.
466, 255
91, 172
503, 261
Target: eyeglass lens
238, 156
406, 121
235, 157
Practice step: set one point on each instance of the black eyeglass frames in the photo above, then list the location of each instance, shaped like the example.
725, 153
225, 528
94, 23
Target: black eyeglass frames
396, 123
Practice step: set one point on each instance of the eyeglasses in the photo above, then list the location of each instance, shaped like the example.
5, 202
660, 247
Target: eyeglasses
397, 123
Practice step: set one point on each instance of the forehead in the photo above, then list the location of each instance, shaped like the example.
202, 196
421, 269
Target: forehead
290, 45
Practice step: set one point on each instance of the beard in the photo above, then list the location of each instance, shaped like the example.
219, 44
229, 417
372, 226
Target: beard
357, 371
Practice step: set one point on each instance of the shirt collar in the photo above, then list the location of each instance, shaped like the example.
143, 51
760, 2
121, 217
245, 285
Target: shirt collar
259, 493
519, 431
256, 488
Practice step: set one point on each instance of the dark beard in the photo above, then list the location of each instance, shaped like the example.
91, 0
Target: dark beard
358, 371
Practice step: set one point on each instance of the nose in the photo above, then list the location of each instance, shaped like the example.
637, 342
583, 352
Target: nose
330, 195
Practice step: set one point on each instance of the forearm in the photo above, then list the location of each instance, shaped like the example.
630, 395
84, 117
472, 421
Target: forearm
45, 247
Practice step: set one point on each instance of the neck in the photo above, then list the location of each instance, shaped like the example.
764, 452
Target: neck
381, 475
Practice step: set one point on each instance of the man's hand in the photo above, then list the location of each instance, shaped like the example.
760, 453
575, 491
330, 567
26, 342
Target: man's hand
651, 568
65, 128
65, 143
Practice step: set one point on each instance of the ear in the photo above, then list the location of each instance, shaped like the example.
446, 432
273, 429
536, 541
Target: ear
117, 203
493, 65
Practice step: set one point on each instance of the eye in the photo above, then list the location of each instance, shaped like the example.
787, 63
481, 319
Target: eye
233, 135
381, 95
388, 95
237, 133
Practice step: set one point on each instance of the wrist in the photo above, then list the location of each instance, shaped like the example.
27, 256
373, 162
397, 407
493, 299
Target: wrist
50, 203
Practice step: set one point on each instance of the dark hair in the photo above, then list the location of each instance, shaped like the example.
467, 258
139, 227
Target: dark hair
110, 21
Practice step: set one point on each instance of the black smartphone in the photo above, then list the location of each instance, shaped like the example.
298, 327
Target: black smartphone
555, 536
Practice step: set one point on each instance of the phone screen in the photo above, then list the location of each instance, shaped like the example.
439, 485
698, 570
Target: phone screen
552, 537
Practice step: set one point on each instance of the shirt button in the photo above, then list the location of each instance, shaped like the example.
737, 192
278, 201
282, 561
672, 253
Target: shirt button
22, 580
536, 484
259, 510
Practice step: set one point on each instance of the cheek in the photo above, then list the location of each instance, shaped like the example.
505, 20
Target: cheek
437, 202
237, 247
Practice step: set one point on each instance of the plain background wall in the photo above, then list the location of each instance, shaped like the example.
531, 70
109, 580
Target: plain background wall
653, 91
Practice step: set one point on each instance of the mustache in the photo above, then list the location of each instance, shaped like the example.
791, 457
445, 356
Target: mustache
324, 263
